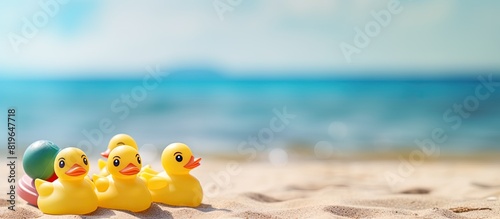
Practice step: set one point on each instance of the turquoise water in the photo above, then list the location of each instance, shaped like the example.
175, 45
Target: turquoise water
215, 115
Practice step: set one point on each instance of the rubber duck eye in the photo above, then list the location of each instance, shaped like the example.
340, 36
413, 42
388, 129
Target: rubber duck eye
139, 160
61, 164
85, 161
116, 162
178, 158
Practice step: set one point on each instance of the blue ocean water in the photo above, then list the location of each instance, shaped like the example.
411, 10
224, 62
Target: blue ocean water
217, 115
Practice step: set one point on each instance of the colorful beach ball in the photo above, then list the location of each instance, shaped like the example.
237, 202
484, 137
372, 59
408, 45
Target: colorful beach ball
38, 160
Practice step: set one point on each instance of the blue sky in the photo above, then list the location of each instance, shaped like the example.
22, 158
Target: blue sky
87, 38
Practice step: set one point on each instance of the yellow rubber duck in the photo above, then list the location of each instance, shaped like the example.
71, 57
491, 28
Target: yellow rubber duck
72, 192
122, 189
117, 140
175, 186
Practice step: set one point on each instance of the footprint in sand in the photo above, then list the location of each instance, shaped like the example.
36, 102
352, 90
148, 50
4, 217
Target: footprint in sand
262, 198
314, 187
408, 203
251, 214
485, 185
352, 212
416, 191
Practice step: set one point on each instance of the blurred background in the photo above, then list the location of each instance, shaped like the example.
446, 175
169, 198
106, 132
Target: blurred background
358, 76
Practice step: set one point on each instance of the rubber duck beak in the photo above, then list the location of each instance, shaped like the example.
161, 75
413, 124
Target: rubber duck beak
106, 153
130, 169
76, 170
193, 163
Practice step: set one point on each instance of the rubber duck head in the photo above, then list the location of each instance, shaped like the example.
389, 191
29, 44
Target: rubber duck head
177, 158
118, 140
124, 162
71, 164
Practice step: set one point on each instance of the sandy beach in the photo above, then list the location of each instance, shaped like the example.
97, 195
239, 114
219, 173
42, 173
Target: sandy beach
323, 189
382, 109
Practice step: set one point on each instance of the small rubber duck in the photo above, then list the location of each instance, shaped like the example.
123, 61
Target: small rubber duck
72, 192
175, 186
123, 189
117, 140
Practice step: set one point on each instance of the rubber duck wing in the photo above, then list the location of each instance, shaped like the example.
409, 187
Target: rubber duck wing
157, 182
43, 187
101, 183
101, 164
146, 176
148, 169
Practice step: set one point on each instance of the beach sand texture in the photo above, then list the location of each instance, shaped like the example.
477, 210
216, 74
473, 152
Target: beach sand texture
323, 189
